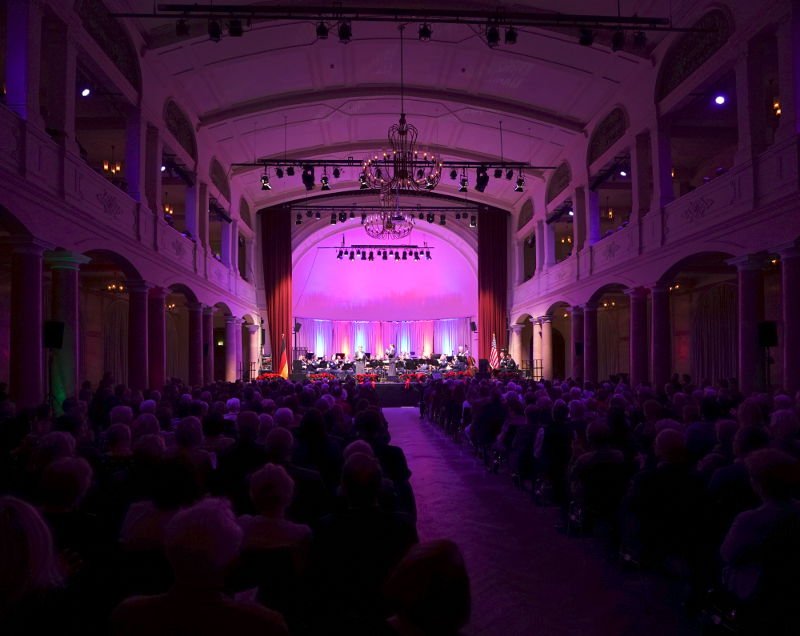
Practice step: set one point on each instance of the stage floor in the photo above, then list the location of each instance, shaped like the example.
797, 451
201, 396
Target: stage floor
392, 394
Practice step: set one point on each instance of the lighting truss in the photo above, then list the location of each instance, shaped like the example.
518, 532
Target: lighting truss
370, 209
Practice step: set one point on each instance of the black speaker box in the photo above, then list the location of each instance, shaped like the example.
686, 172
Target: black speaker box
297, 327
297, 366
473, 326
53, 334
768, 333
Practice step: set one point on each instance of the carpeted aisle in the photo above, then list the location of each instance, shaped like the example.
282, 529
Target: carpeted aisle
527, 579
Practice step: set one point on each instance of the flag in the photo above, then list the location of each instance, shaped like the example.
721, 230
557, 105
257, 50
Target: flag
494, 358
283, 361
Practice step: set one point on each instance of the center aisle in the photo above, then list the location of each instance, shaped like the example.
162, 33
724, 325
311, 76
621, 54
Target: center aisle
526, 577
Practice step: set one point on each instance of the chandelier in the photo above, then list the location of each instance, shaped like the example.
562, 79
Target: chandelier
400, 169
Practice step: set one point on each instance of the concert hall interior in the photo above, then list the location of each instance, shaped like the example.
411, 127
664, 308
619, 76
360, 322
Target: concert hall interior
400, 318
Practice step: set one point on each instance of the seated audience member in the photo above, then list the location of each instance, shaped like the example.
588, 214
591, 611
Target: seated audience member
356, 549
214, 438
785, 431
31, 596
429, 591
240, 460
202, 543
189, 441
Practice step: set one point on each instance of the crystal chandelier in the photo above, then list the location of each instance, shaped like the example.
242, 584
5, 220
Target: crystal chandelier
400, 169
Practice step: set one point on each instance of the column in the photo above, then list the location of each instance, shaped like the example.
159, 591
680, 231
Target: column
750, 305
152, 178
225, 248
26, 364
515, 344
23, 59
234, 247
790, 301
230, 348
547, 346
638, 335
191, 207
576, 347
536, 346
134, 154
65, 365
137, 334
61, 55
239, 356
642, 177
208, 344
664, 191
195, 343
254, 348
579, 218
539, 238
745, 103
592, 216
549, 245
590, 342
157, 337
661, 337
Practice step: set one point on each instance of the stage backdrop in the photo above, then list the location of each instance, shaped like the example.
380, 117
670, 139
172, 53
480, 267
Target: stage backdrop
326, 337
492, 279
276, 243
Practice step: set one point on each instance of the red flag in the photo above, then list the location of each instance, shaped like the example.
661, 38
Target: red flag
494, 358
283, 361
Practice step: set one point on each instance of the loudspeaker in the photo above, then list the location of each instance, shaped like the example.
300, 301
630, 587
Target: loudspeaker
297, 327
483, 366
53, 334
578, 348
768, 333
473, 326
297, 366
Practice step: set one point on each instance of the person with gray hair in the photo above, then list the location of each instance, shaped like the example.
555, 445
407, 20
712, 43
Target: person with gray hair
202, 543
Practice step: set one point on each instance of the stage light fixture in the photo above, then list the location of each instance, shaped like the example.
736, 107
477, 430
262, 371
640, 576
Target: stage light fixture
458, 216
442, 219
279, 172
520, 185
427, 255
639, 39
453, 174
498, 173
416, 256
363, 218
181, 28
482, 178
405, 256
265, 181
325, 183
337, 173
298, 220
362, 179
364, 255
340, 255
464, 184
421, 216
396, 257
492, 36
586, 37
352, 255
511, 35
318, 216
473, 221
214, 31
371, 256
352, 214
289, 171
430, 217
322, 31
86, 91
509, 174
618, 40
345, 32
333, 218
235, 28
309, 213
342, 217
308, 177
384, 257
425, 32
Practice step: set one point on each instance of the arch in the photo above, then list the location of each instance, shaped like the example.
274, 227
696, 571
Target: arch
225, 310
218, 177
11, 223
113, 38
695, 259
249, 319
559, 181
610, 130
126, 267
525, 215
179, 124
181, 288
691, 50
522, 319
608, 288
557, 305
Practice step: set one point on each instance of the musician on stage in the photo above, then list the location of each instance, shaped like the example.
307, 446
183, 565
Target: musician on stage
391, 352
360, 355
507, 363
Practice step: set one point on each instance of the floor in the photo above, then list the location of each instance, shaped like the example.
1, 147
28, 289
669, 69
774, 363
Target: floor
526, 577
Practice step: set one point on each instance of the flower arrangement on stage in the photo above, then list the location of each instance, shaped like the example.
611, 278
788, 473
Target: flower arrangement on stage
321, 377
449, 375
366, 377
408, 378
266, 376
499, 374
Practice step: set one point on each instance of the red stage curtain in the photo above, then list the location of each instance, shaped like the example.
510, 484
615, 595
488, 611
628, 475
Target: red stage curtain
276, 248
492, 280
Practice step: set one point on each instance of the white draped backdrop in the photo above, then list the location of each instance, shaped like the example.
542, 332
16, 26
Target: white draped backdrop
420, 337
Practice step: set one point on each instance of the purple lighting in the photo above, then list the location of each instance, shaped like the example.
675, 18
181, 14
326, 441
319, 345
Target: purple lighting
719, 100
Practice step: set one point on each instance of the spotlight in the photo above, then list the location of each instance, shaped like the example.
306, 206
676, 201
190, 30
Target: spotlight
639, 39
333, 218
420, 173
325, 183
416, 256
498, 173
235, 28
458, 216
279, 172
482, 179
384, 257
308, 177
571, 213
421, 216
265, 182
425, 32
492, 36
473, 221
86, 91
298, 220
405, 256
442, 219
182, 28
318, 216
371, 256
511, 35
509, 174
617, 40
322, 31
396, 257
289, 171
363, 218
340, 255
352, 255
719, 100
430, 217
586, 37
163, 168
309, 213
427, 255
464, 184
342, 217
345, 32
364, 255
214, 31
520, 185
453, 174
337, 173
352, 214
362, 179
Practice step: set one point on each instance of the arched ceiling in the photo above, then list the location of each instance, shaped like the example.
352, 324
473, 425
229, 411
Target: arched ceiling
328, 99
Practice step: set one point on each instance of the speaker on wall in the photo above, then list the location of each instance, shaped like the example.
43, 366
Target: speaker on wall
768, 333
297, 327
53, 334
473, 326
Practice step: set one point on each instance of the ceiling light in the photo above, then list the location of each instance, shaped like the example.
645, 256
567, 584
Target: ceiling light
586, 37
182, 28
719, 100
482, 178
509, 174
298, 219
345, 32
279, 172
639, 39
520, 185
453, 174
617, 40
511, 35
322, 31
289, 171
163, 168
473, 221
623, 173
214, 31
442, 219
86, 91
235, 28
337, 173
265, 182
498, 173
492, 35
325, 183
425, 32
464, 184
308, 177
571, 213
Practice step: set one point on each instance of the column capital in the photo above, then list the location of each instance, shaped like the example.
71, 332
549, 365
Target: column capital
230, 319
138, 286
516, 328
194, 306
66, 260
576, 309
546, 318
253, 328
639, 293
159, 293
788, 250
25, 245
209, 310
746, 262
